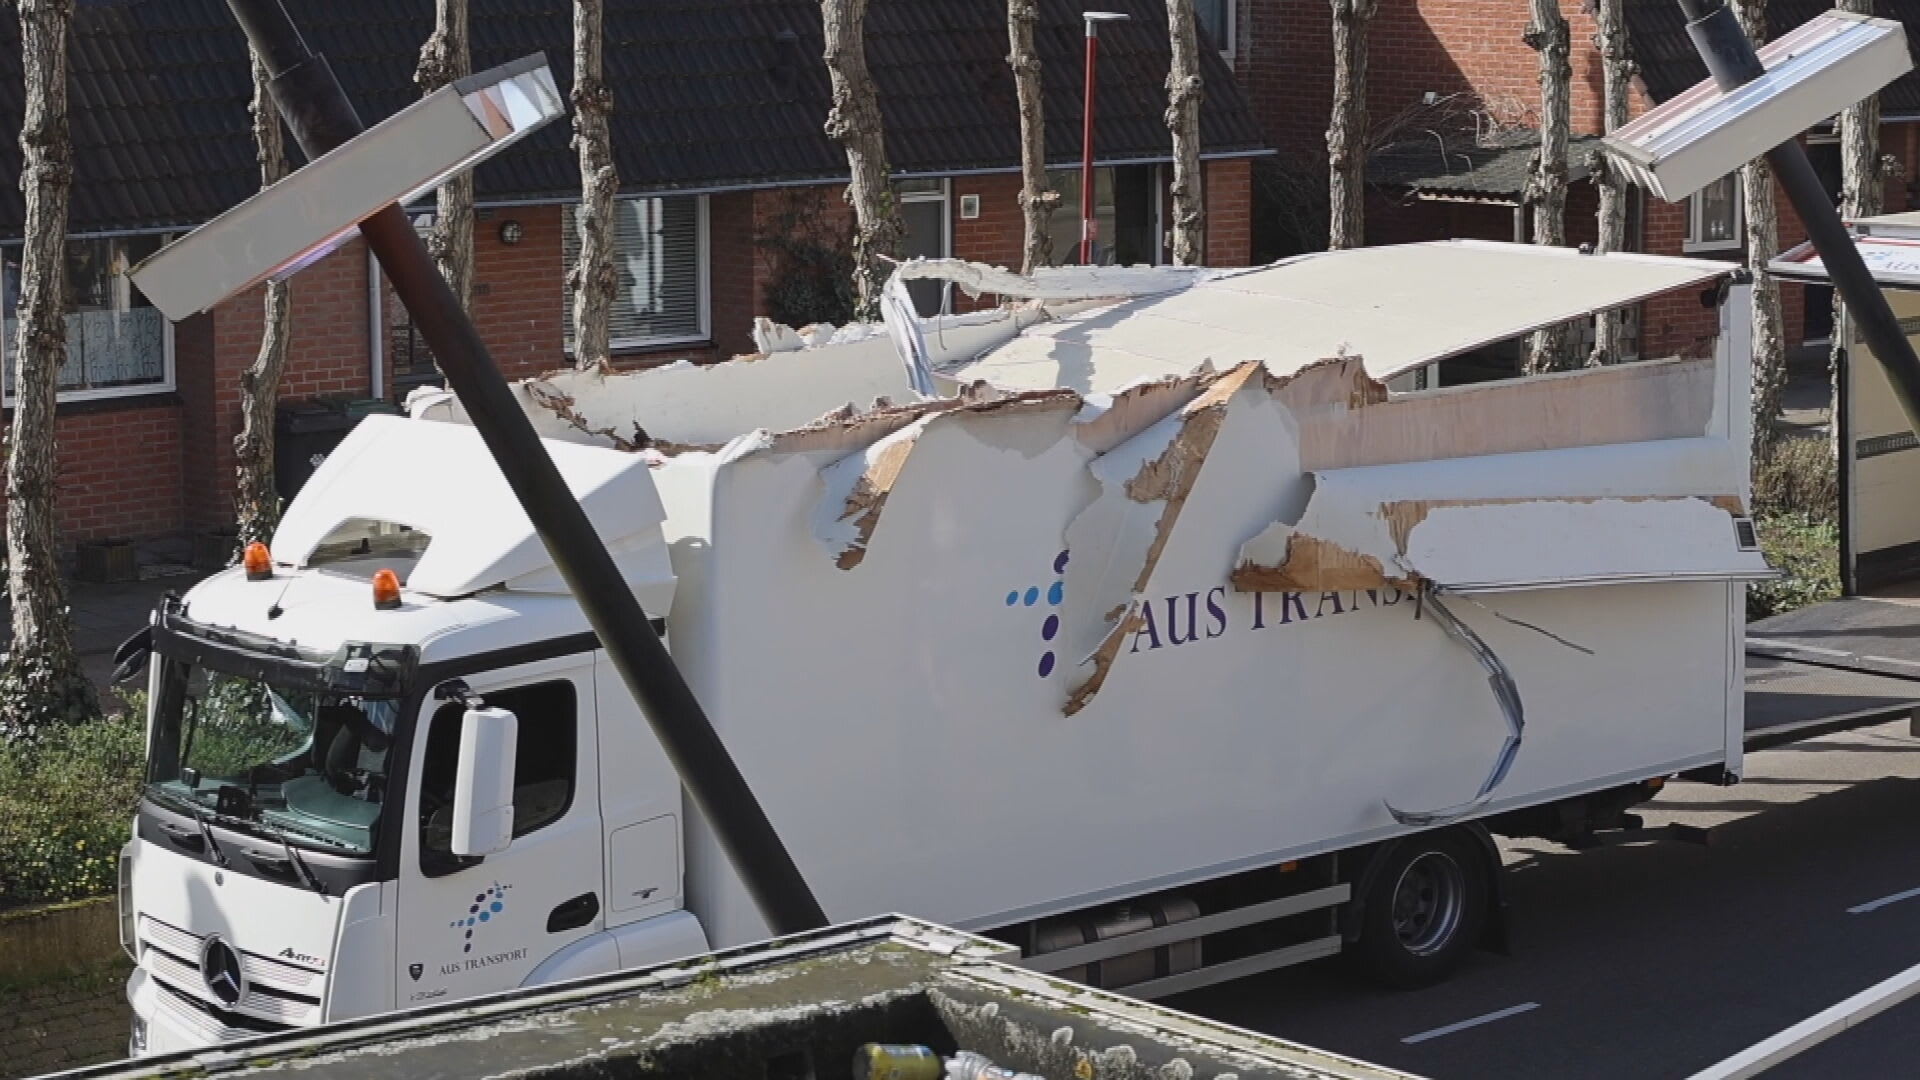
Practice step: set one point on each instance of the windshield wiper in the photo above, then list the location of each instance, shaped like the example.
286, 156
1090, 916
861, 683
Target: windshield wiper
206, 833
293, 861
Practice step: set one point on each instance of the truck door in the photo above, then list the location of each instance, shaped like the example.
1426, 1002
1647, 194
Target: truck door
1880, 469
473, 925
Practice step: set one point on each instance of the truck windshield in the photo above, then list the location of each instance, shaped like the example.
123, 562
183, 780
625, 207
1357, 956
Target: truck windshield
309, 766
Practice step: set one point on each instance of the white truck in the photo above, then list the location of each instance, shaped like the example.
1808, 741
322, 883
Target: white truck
1151, 622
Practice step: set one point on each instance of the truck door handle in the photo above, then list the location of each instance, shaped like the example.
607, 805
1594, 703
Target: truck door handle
190, 839
574, 913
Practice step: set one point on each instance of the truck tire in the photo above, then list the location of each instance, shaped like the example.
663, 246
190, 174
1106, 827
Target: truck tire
1423, 910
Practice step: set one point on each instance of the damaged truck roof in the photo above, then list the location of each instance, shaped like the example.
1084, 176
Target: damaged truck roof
1398, 308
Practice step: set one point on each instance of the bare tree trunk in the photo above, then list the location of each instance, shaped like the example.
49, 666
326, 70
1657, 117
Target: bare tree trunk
444, 58
1347, 134
1860, 171
1763, 243
854, 123
1549, 36
591, 281
256, 503
1617, 70
1184, 94
41, 683
1036, 199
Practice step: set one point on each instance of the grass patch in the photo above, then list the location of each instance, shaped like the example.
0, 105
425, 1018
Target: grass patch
1796, 507
1807, 551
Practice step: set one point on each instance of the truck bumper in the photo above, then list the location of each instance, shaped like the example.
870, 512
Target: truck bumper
161, 1025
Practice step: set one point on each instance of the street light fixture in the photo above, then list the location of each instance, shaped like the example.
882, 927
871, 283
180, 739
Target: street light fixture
315, 209
1758, 103
1826, 64
1089, 230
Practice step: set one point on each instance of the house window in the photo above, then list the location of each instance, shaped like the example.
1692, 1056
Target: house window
1216, 18
1126, 210
545, 762
1714, 217
660, 270
118, 344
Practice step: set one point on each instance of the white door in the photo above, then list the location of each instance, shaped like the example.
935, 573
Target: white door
471, 926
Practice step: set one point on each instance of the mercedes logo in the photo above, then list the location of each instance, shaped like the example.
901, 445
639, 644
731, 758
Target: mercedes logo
220, 970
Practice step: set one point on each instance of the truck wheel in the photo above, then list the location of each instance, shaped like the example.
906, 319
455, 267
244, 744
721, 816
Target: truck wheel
1423, 910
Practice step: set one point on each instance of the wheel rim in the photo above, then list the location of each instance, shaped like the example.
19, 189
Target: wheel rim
1428, 901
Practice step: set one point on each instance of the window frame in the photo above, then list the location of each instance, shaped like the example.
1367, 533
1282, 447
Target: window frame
703, 273
1229, 49
168, 382
435, 862
1738, 239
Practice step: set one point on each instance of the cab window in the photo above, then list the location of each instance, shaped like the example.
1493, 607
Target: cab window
545, 765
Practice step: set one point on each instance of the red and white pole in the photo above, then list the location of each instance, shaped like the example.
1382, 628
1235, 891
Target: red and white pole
1089, 227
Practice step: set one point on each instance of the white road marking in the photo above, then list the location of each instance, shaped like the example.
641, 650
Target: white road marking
1463, 1025
1876, 905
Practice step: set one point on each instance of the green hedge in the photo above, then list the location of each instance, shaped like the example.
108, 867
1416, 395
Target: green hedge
66, 805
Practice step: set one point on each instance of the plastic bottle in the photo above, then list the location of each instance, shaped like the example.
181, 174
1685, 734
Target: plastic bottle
895, 1061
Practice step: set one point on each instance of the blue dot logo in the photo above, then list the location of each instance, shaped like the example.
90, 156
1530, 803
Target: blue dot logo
1056, 594
484, 907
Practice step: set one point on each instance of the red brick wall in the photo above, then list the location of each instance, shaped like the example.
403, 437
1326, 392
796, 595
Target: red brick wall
1472, 48
327, 355
1229, 193
520, 291
117, 469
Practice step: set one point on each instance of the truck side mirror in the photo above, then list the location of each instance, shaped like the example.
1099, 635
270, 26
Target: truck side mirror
483, 786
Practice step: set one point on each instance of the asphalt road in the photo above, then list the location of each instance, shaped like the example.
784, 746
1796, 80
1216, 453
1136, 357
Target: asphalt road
1658, 957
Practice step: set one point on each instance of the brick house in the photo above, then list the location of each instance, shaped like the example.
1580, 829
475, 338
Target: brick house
1453, 102
725, 175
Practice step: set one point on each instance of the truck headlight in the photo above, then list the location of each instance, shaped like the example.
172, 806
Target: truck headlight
137, 1037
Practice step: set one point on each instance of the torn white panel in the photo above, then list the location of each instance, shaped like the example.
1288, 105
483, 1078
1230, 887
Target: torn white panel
856, 491
1398, 308
1171, 500
1663, 511
1557, 543
708, 404
903, 328
1657, 467
1056, 282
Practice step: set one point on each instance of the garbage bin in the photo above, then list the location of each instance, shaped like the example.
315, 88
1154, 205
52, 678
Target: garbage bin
305, 432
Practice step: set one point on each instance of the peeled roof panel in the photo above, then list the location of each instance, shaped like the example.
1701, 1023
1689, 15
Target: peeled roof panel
1398, 308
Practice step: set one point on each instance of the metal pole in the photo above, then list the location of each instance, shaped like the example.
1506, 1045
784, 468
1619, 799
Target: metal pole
321, 118
1088, 227
1731, 60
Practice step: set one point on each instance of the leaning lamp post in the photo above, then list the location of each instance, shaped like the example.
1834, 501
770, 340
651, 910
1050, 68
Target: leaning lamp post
358, 178
1758, 103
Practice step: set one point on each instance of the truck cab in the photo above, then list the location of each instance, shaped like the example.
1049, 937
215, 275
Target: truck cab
294, 858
